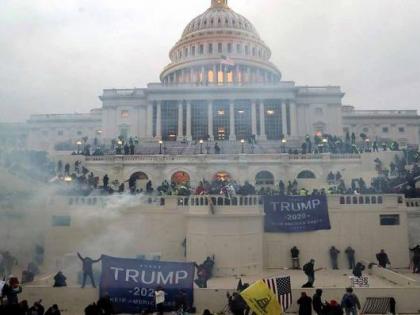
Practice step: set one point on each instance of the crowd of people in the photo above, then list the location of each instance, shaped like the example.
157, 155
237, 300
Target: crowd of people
398, 178
10, 305
349, 144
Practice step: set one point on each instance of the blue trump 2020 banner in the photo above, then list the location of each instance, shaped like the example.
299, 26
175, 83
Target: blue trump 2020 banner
131, 283
290, 214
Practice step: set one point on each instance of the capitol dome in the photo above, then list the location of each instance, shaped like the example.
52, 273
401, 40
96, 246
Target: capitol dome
220, 47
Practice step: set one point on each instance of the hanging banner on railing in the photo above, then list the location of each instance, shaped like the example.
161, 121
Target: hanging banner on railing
291, 214
131, 283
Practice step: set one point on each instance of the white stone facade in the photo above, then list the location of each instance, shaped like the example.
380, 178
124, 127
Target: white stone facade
220, 85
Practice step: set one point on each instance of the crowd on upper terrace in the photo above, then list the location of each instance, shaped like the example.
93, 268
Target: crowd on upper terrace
398, 178
316, 145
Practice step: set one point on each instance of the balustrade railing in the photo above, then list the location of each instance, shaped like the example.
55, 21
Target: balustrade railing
224, 201
206, 157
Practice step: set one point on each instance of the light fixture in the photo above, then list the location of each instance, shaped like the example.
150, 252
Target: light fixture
325, 140
67, 179
160, 142
119, 142
220, 112
242, 141
270, 112
79, 142
241, 111
201, 141
284, 140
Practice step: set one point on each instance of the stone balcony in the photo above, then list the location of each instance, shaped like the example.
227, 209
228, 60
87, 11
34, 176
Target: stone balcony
200, 158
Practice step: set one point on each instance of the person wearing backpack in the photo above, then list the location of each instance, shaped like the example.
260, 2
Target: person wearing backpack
350, 302
309, 271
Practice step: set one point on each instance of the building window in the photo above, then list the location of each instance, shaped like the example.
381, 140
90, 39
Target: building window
219, 48
60, 133
246, 50
210, 49
238, 48
201, 49
273, 121
79, 133
306, 175
199, 121
389, 219
264, 178
61, 220
229, 48
221, 121
365, 129
385, 129
124, 114
319, 111
193, 50
243, 120
401, 129
124, 132
254, 51
169, 121
186, 52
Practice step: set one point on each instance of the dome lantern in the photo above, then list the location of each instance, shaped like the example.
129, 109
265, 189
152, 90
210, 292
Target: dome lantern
219, 3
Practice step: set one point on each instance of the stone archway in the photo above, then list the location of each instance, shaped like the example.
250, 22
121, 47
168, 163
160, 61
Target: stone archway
222, 176
264, 178
180, 178
140, 179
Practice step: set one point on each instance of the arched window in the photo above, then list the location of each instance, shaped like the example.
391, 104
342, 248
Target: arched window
306, 175
180, 178
222, 176
138, 180
264, 178
139, 176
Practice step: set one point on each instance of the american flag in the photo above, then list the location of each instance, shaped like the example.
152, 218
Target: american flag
375, 305
227, 61
282, 290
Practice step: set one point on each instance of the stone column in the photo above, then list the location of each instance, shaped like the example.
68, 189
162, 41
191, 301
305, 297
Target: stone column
159, 120
284, 118
210, 120
215, 74
248, 75
254, 117
204, 75
232, 135
188, 135
149, 122
176, 77
180, 121
263, 135
293, 119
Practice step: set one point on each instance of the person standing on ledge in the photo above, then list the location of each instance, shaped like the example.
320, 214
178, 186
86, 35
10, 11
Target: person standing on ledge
334, 257
309, 271
351, 257
295, 258
87, 269
383, 259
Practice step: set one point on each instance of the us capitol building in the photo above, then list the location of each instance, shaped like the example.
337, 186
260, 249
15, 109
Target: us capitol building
220, 85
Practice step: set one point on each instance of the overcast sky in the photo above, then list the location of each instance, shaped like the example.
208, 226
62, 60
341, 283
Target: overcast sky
56, 56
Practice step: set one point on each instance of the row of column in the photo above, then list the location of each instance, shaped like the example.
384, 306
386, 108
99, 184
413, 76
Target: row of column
239, 74
289, 127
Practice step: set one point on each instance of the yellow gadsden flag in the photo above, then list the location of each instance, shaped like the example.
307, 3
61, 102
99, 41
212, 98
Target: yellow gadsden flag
261, 299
